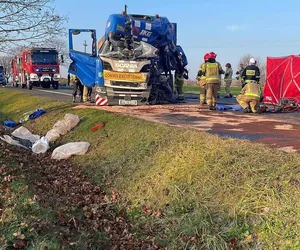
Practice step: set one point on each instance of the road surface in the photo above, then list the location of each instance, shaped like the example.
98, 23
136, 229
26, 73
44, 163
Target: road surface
281, 130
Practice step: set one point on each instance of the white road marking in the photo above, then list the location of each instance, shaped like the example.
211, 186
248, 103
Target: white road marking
54, 92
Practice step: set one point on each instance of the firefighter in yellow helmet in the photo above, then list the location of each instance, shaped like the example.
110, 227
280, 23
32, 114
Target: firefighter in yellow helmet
213, 72
202, 80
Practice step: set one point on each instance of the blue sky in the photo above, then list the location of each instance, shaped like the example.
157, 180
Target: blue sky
229, 28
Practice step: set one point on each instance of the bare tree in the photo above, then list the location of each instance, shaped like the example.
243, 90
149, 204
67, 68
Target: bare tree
5, 61
23, 22
244, 60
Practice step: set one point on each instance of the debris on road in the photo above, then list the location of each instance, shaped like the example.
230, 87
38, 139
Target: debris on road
99, 125
11, 141
32, 115
24, 133
41, 146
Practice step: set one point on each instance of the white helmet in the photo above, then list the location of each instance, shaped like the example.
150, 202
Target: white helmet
252, 61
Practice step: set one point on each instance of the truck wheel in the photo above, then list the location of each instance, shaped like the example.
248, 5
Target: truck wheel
55, 85
23, 86
16, 85
30, 85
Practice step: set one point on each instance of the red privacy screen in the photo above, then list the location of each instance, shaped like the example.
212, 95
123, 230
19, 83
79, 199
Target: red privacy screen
283, 79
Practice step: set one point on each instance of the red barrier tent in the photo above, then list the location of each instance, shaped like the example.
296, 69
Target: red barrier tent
283, 79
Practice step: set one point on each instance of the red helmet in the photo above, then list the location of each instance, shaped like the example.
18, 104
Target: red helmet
228, 65
212, 55
206, 56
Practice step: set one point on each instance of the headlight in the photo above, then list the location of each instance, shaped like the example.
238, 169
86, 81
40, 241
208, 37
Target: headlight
100, 89
34, 76
37, 70
107, 66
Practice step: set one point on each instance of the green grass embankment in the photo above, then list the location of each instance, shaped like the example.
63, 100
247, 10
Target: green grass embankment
201, 191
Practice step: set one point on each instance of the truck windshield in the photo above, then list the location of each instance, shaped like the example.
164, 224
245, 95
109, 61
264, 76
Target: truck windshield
141, 50
44, 58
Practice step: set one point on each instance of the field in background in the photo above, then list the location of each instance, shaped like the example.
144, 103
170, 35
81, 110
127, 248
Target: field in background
195, 89
183, 189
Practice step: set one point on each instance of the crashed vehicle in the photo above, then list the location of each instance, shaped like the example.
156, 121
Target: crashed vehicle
134, 63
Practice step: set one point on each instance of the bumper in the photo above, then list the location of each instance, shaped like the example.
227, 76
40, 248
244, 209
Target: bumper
122, 97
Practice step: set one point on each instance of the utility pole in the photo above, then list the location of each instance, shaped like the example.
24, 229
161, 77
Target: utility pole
85, 45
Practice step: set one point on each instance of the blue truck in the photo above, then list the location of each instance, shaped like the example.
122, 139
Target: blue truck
133, 63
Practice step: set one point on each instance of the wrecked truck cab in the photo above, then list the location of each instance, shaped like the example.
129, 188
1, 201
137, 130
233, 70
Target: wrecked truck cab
135, 61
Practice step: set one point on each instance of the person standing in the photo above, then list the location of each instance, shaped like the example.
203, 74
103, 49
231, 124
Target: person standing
251, 72
77, 86
87, 94
239, 73
178, 85
180, 75
228, 80
213, 72
202, 80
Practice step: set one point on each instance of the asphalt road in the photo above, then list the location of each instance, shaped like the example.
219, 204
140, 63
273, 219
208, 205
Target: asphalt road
64, 93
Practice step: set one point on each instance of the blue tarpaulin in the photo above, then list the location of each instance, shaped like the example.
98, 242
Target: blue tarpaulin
235, 107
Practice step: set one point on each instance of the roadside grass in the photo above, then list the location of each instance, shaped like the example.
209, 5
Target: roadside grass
199, 191
195, 89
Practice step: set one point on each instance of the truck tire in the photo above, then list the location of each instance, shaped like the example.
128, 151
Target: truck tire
24, 86
30, 86
55, 85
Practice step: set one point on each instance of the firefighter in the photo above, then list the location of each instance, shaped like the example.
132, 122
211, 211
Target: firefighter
202, 81
77, 85
87, 94
213, 72
179, 80
249, 97
239, 73
228, 80
178, 84
251, 72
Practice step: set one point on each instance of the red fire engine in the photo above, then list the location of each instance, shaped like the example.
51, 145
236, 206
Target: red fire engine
36, 67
